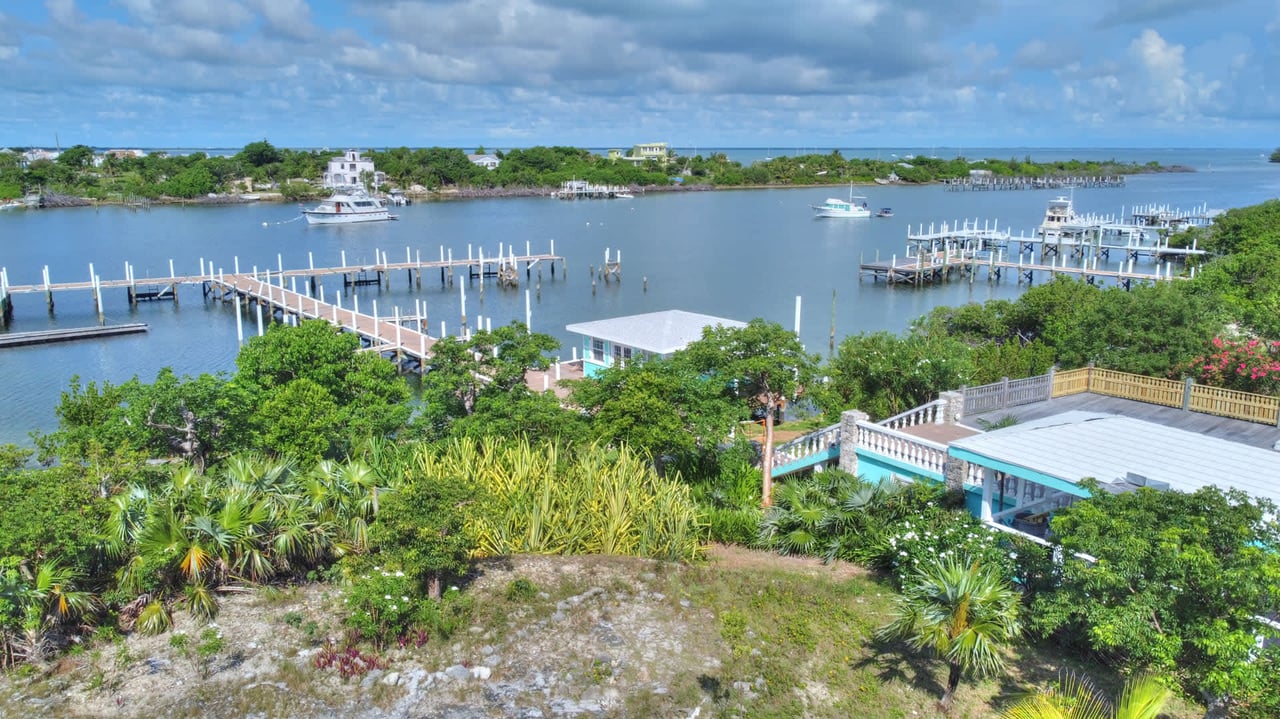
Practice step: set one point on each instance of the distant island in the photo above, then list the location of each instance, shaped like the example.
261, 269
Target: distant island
1275, 155
80, 175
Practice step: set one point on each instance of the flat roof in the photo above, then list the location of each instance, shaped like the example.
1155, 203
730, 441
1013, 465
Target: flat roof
658, 332
1073, 445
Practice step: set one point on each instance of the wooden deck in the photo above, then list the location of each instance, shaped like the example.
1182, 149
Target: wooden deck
1233, 430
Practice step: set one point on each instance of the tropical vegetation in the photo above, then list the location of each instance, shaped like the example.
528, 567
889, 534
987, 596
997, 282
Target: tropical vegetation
294, 173
315, 461
961, 611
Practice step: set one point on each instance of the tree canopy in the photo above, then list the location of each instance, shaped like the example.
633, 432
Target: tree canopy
1175, 582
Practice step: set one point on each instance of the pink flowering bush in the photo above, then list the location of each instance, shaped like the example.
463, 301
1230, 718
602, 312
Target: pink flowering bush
1246, 365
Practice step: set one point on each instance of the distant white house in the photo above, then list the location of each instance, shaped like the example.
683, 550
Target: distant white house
349, 170
487, 161
654, 334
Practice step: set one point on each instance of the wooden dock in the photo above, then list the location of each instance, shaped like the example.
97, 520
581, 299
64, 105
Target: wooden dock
937, 267
22, 339
504, 266
1047, 182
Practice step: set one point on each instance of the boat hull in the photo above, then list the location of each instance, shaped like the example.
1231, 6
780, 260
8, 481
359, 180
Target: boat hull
828, 212
346, 218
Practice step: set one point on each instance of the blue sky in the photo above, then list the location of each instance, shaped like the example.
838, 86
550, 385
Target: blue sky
605, 73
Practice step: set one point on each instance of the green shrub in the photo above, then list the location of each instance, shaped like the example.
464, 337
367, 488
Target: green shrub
521, 590
733, 525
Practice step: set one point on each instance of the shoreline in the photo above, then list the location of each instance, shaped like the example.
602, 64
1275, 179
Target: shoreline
55, 200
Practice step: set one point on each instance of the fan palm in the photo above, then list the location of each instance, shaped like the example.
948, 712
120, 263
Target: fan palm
960, 611
1074, 697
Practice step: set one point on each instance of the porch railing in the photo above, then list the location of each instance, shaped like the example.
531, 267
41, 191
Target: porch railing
902, 447
1007, 393
930, 413
1185, 394
808, 445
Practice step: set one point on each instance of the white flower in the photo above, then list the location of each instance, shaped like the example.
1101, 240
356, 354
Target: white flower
453, 589
1013, 555
386, 596
399, 574
393, 607
404, 598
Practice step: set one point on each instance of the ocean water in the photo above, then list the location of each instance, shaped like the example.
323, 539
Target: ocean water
734, 253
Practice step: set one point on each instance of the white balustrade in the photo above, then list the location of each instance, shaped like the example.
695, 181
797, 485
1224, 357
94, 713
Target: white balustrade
930, 413
902, 447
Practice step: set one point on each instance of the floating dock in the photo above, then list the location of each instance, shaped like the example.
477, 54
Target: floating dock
23, 339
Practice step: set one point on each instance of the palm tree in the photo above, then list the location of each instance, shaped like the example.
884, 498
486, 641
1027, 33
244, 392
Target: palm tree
1074, 697
960, 611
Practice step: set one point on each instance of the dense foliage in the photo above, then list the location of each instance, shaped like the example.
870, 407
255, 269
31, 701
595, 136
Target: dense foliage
293, 172
1174, 582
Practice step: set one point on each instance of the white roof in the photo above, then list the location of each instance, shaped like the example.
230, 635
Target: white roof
658, 332
1077, 444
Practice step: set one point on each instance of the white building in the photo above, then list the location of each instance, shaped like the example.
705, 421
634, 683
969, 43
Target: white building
655, 334
349, 170
487, 161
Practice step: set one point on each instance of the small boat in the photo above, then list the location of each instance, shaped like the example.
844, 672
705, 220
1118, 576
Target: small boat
856, 206
623, 196
884, 212
251, 197
347, 206
12, 204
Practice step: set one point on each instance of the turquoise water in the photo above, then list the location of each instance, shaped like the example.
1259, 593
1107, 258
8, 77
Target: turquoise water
737, 254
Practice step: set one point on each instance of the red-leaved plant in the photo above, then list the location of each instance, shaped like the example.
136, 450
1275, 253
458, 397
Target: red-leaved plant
1246, 365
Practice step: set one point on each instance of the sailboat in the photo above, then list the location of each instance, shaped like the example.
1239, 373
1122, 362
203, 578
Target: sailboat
856, 206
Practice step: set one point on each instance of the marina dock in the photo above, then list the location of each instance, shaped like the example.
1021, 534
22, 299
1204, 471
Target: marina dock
1095, 248
291, 295
980, 183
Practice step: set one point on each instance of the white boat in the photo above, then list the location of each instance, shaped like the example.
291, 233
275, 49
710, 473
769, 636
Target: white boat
623, 196
856, 206
884, 212
12, 204
346, 206
1059, 213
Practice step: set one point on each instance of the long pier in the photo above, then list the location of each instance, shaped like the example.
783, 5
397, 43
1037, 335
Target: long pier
291, 295
1046, 182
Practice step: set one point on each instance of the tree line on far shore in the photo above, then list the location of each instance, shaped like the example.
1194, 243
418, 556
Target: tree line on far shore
296, 173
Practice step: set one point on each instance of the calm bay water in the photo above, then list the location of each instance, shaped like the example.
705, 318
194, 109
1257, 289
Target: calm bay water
737, 254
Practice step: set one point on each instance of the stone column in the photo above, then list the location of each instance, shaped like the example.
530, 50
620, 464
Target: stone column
953, 410
954, 472
849, 439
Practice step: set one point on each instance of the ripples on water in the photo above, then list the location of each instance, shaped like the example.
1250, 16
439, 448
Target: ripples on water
737, 254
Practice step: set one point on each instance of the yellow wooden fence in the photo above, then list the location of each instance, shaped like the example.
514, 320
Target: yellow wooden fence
1170, 393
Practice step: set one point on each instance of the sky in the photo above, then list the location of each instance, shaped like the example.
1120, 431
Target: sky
613, 73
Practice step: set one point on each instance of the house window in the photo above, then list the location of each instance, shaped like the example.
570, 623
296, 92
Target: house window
597, 350
621, 354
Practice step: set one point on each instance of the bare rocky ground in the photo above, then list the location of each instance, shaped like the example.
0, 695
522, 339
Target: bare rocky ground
603, 637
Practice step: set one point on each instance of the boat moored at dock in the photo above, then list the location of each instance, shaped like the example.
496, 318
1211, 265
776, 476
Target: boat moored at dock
347, 206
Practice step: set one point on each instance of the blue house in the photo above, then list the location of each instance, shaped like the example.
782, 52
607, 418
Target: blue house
653, 334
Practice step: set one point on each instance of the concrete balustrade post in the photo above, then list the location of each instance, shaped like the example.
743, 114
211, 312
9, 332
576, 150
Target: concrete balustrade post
849, 420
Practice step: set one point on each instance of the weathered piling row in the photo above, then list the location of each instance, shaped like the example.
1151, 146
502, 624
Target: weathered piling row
1047, 182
